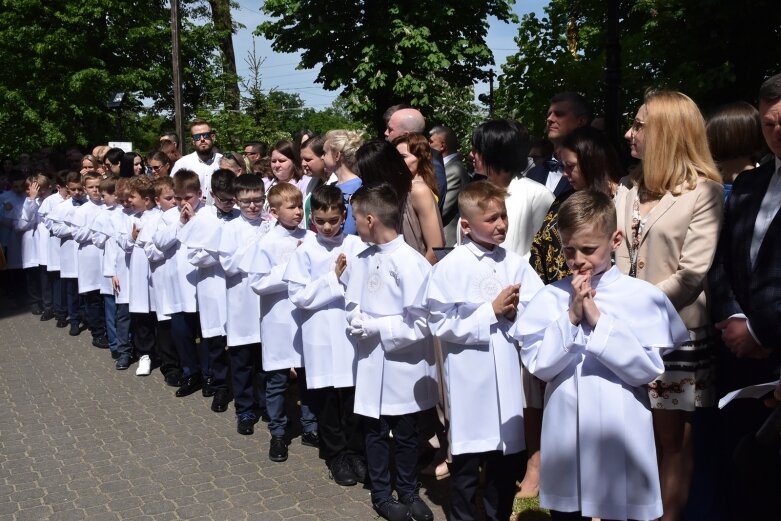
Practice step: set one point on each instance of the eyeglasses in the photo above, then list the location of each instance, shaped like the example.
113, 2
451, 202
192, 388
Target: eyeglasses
157, 167
227, 200
246, 203
637, 126
249, 153
207, 136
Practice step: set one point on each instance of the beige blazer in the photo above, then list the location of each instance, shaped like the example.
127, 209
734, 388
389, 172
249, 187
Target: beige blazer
677, 245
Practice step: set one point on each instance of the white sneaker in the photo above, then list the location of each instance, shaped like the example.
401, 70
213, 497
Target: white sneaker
144, 366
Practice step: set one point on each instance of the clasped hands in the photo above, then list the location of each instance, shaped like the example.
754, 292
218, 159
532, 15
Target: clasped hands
582, 305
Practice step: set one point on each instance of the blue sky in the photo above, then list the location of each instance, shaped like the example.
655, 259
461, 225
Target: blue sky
279, 70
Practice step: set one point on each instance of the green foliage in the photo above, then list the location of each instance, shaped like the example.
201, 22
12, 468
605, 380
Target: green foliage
62, 61
714, 51
384, 52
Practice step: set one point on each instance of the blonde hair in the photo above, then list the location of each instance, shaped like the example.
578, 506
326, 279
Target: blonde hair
281, 193
479, 195
676, 145
346, 143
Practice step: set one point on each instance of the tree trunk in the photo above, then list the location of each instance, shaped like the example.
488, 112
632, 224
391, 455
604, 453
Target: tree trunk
223, 24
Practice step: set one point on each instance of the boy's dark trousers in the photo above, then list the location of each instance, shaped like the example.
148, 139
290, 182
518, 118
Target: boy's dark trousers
70, 287
218, 362
122, 324
34, 289
244, 363
143, 327
95, 313
59, 301
166, 354
501, 473
185, 329
339, 428
405, 440
277, 383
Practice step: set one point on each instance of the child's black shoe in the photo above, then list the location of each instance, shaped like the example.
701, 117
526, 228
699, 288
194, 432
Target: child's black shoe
392, 510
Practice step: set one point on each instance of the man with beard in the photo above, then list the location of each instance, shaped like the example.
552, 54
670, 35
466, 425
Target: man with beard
205, 160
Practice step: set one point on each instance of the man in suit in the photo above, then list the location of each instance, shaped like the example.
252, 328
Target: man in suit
401, 120
443, 140
745, 286
567, 111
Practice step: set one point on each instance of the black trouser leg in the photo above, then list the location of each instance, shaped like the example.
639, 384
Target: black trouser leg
218, 361
166, 355
143, 327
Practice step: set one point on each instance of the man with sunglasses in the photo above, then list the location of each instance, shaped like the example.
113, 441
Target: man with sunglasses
205, 160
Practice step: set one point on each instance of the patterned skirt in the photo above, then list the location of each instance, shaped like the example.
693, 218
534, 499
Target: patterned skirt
688, 379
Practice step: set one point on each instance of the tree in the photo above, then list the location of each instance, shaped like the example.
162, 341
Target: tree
62, 61
384, 52
714, 51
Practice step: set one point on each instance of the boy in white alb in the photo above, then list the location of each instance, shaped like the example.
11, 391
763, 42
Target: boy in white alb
316, 287
280, 334
597, 337
474, 296
141, 298
90, 259
177, 298
396, 376
33, 249
58, 223
110, 234
201, 237
52, 246
243, 305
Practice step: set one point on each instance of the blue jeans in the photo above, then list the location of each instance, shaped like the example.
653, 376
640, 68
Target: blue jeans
110, 310
122, 328
59, 305
276, 387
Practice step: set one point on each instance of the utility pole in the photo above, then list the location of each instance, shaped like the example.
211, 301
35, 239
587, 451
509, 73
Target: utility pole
488, 99
613, 75
176, 60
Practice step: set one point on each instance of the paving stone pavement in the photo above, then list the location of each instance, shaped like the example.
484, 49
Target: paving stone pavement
82, 441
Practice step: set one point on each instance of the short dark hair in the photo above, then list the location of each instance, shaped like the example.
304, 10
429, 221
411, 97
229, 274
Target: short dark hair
247, 182
257, 147
200, 121
597, 159
326, 197
770, 91
451, 140
580, 105
734, 130
186, 181
586, 208
170, 136
223, 180
378, 161
109, 184
73, 177
503, 145
379, 200
114, 156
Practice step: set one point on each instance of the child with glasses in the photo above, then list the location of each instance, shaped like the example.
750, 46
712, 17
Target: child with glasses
243, 305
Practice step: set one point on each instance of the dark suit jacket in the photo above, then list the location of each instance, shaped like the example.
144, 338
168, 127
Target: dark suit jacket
539, 173
737, 287
457, 178
439, 171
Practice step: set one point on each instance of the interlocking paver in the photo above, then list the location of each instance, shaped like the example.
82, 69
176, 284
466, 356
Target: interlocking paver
82, 441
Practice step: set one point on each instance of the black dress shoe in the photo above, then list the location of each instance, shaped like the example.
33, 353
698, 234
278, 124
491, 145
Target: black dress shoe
358, 466
62, 322
392, 510
277, 450
245, 424
341, 473
101, 342
174, 380
222, 397
189, 386
207, 389
74, 331
310, 439
47, 315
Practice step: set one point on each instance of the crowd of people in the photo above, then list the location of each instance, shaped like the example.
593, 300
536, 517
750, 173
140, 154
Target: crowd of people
533, 320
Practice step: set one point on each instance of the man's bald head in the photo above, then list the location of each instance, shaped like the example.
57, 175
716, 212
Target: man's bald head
405, 121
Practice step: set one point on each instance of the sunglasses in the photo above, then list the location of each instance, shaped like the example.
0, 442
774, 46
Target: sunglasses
203, 135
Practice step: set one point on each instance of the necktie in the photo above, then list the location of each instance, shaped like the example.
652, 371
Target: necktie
552, 165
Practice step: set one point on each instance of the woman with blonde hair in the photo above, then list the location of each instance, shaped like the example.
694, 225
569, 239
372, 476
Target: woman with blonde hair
422, 228
670, 209
339, 151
